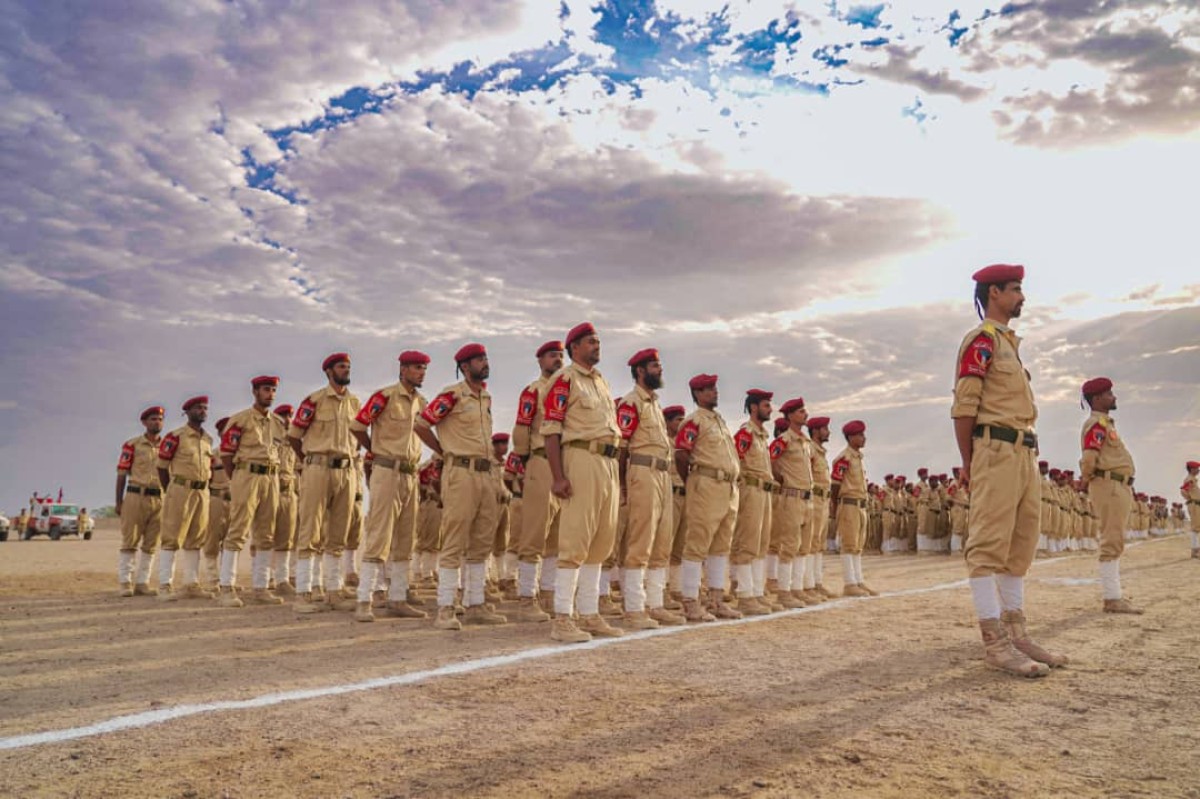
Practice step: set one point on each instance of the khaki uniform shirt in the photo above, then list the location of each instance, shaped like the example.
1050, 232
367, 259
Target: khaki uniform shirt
820, 466
1191, 492
322, 423
750, 441
991, 382
463, 420
579, 407
220, 480
187, 453
924, 495
705, 435
849, 474
1103, 448
643, 428
250, 438
138, 460
287, 456
527, 432
391, 413
792, 453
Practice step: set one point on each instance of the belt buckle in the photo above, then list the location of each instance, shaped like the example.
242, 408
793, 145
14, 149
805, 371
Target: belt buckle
483, 465
1029, 440
609, 450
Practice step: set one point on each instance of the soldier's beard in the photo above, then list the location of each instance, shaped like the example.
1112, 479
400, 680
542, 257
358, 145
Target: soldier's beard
342, 381
654, 382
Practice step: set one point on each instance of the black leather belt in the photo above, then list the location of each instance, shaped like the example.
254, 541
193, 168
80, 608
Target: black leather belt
406, 467
1006, 434
1116, 478
476, 464
517, 495
858, 503
260, 468
220, 493
143, 490
819, 492
802, 493
601, 448
196, 484
661, 464
329, 461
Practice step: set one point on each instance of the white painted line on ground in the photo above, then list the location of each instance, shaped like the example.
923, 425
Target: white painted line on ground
152, 718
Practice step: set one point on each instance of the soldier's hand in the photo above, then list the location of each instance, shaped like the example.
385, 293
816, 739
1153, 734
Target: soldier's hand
964, 475
118, 506
561, 488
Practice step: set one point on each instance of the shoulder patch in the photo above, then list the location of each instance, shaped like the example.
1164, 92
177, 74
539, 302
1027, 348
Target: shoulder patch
556, 400
231, 439
125, 462
439, 408
1094, 438
977, 356
628, 419
370, 412
685, 439
840, 467
168, 447
305, 413
742, 440
527, 407
778, 447
514, 465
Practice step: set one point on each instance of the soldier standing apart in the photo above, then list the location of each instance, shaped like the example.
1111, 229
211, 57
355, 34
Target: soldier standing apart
1191, 495
994, 416
850, 499
538, 534
462, 414
1106, 472
581, 436
645, 466
184, 469
752, 532
814, 579
706, 455
139, 504
285, 511
250, 457
791, 466
321, 438
385, 428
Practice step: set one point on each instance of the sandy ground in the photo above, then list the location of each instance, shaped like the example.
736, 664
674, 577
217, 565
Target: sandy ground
868, 698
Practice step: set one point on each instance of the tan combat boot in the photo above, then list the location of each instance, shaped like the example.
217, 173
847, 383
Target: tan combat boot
1014, 625
483, 615
336, 600
351, 580
609, 608
598, 627
363, 612
718, 607
446, 619
855, 590
307, 603
195, 591
639, 620
263, 596
528, 610
142, 589
379, 599
771, 602
673, 601
508, 589
811, 596
752, 606
410, 596
999, 653
693, 611
772, 586
666, 618
823, 591
790, 601
126, 589
870, 591
403, 610
546, 600
564, 630
166, 593
228, 598
285, 589
1121, 606
492, 594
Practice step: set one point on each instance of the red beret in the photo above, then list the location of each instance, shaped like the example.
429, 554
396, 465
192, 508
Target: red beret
641, 356
153, 410
264, 380
817, 421
498, 437
758, 395
941, 477
469, 351
334, 360
1043, 463
922, 472
671, 411
200, 400
781, 424
1193, 464
999, 273
794, 404
224, 420
854, 428
579, 331
901, 477
1097, 385
889, 477
284, 410
413, 358
1055, 472
702, 381
550, 346
1069, 472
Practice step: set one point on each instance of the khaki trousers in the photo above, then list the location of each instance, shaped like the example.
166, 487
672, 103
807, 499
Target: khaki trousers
218, 523
787, 526
184, 517
503, 526
326, 504
285, 520
819, 509
810, 538
752, 531
539, 513
429, 526
588, 522
1006, 509
712, 507
1193, 511
354, 532
469, 516
1110, 502
678, 532
851, 528
650, 511
252, 507
516, 518
141, 523
391, 516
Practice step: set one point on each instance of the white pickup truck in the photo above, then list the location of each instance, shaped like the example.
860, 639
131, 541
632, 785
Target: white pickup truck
56, 520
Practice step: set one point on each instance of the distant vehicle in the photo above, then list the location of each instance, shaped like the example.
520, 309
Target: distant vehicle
57, 519
5, 525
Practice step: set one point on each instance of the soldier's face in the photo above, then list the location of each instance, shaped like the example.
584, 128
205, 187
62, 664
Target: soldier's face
339, 373
499, 449
858, 440
673, 425
264, 396
478, 368
587, 350
654, 375
798, 417
761, 411
413, 374
551, 362
153, 424
1009, 298
821, 434
197, 414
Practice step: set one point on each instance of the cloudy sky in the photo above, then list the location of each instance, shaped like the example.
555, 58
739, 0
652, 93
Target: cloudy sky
791, 195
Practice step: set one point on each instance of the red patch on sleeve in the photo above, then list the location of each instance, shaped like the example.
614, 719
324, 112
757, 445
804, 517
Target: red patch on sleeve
231, 440
628, 419
556, 400
840, 467
742, 441
304, 415
686, 438
170, 443
1095, 437
125, 463
440, 408
778, 447
977, 357
514, 464
526, 407
371, 410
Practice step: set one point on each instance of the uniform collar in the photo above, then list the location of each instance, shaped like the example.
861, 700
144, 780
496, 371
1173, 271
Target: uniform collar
649, 396
583, 370
330, 392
